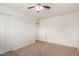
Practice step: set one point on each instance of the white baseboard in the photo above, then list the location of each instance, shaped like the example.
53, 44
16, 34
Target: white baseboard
26, 44
4, 50
59, 44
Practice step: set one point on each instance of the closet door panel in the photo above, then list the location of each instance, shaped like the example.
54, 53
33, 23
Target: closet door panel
4, 33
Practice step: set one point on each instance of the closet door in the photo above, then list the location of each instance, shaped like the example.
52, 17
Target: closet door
4, 35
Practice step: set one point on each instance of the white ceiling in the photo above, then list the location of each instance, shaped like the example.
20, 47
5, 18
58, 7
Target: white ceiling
57, 9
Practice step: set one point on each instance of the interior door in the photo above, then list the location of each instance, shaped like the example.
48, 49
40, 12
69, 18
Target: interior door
4, 38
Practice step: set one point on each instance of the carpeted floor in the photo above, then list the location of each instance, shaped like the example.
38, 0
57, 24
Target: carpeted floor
44, 49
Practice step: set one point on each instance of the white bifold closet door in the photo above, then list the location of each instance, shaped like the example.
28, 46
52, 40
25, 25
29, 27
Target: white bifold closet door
4, 33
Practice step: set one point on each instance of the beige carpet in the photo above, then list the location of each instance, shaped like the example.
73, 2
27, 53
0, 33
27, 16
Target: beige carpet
44, 49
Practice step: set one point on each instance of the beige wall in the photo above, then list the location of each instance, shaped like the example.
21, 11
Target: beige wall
60, 30
16, 29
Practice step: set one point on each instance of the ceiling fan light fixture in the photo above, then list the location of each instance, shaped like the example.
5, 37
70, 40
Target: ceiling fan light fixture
39, 8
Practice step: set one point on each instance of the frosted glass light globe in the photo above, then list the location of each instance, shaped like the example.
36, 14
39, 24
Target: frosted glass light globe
39, 8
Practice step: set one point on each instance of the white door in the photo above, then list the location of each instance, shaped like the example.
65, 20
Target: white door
4, 34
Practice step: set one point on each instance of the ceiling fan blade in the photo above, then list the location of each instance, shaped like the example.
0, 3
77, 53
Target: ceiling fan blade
47, 7
31, 7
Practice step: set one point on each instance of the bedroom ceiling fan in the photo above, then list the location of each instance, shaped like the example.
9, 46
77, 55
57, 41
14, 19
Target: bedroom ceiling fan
39, 7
